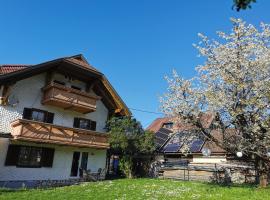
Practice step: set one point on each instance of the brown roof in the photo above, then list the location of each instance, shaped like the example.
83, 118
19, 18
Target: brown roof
77, 59
6, 69
206, 120
75, 65
211, 145
80, 60
157, 124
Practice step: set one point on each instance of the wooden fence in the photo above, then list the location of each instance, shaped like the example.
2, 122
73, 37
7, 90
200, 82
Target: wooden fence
210, 173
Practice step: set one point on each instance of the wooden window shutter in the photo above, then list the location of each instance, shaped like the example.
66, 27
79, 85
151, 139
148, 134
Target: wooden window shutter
49, 117
93, 125
27, 113
12, 155
47, 157
76, 123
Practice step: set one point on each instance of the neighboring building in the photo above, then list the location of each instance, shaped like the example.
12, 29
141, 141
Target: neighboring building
162, 127
173, 143
52, 119
185, 154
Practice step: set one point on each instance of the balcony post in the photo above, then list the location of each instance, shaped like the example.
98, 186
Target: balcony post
50, 132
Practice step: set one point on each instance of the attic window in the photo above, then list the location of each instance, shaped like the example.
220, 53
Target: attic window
59, 82
68, 77
168, 125
76, 88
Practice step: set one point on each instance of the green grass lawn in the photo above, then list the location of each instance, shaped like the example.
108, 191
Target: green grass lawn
140, 189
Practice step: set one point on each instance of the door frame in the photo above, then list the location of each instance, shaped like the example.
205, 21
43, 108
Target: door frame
75, 164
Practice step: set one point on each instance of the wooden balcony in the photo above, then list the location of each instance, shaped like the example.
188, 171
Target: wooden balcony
28, 130
69, 98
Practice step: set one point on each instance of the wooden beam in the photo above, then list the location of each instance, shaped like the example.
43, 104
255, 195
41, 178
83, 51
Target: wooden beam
1, 94
107, 100
118, 110
91, 85
49, 77
5, 94
116, 98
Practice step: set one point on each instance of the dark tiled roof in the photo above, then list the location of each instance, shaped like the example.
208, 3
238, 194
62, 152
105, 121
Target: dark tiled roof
6, 69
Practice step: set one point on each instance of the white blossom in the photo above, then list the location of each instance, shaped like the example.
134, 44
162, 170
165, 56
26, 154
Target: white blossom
233, 84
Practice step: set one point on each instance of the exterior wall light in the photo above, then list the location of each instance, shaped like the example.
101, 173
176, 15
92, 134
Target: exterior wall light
239, 154
268, 153
206, 152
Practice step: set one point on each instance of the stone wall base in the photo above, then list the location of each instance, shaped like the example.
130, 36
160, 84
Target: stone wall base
39, 183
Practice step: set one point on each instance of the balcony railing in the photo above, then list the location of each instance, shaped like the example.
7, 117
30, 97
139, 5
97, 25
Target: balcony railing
69, 98
28, 130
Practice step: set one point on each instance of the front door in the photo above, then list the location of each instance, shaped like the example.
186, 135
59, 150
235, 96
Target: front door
84, 161
75, 164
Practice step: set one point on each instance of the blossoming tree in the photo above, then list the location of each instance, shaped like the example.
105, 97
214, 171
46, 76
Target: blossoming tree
234, 85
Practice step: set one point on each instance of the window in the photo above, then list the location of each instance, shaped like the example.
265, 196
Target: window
168, 125
59, 82
76, 88
29, 156
38, 115
84, 124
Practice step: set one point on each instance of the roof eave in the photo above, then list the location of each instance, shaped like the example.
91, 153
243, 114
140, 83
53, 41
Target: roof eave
28, 72
118, 100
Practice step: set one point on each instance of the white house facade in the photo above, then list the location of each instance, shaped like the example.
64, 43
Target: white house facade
52, 120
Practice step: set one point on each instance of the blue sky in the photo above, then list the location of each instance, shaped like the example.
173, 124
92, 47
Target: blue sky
133, 42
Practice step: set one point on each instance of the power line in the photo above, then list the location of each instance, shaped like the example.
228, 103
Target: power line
146, 111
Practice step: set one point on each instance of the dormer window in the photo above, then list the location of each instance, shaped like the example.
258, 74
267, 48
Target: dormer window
168, 125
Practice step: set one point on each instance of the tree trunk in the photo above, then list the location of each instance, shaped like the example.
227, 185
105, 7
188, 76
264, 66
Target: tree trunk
263, 179
130, 174
263, 173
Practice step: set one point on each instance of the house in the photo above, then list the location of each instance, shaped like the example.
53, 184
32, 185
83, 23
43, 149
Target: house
52, 120
184, 153
182, 143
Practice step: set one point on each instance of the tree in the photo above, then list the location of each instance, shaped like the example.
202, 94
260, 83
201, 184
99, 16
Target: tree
234, 85
130, 141
242, 4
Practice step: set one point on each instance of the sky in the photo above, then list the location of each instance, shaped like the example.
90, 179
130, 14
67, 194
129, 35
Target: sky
135, 43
